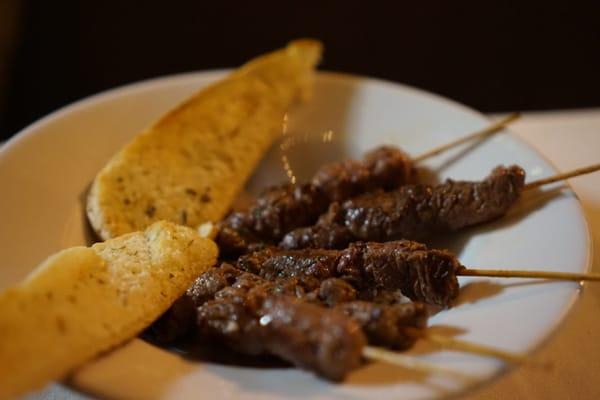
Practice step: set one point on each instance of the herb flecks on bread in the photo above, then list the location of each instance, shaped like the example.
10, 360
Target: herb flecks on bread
85, 300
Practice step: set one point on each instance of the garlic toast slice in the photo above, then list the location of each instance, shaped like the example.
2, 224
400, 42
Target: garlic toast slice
188, 167
86, 300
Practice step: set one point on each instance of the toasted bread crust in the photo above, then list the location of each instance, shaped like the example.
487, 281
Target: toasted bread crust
188, 167
83, 301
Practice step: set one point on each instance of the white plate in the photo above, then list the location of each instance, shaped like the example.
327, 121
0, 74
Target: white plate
45, 169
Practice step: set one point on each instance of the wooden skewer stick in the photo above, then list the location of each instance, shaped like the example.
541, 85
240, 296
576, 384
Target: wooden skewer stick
563, 176
409, 362
505, 273
480, 134
479, 349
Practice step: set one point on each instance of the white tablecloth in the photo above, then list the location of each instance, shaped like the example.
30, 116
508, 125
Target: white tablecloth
569, 139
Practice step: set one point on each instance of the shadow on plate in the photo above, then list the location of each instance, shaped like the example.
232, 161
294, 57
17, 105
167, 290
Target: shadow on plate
529, 203
473, 292
215, 353
90, 235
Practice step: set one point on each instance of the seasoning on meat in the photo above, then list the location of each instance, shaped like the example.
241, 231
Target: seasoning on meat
413, 211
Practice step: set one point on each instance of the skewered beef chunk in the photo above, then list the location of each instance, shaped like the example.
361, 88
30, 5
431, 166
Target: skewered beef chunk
334, 291
422, 274
319, 236
414, 211
313, 337
218, 278
276, 211
283, 208
274, 263
231, 241
212, 281
385, 324
252, 320
385, 167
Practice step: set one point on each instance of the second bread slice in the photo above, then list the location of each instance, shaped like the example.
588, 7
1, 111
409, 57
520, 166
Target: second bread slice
83, 301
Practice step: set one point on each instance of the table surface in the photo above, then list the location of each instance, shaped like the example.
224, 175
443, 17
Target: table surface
570, 139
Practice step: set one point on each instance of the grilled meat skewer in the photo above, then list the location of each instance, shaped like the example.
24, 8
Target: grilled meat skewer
255, 316
421, 274
253, 321
412, 212
283, 208
385, 167
384, 324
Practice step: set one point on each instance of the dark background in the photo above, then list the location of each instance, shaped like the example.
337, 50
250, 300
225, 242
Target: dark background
493, 56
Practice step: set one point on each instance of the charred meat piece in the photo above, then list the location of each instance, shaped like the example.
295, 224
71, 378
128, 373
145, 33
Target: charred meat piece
384, 168
250, 319
283, 208
413, 212
417, 211
280, 209
319, 236
212, 281
333, 291
274, 263
421, 274
277, 211
385, 324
